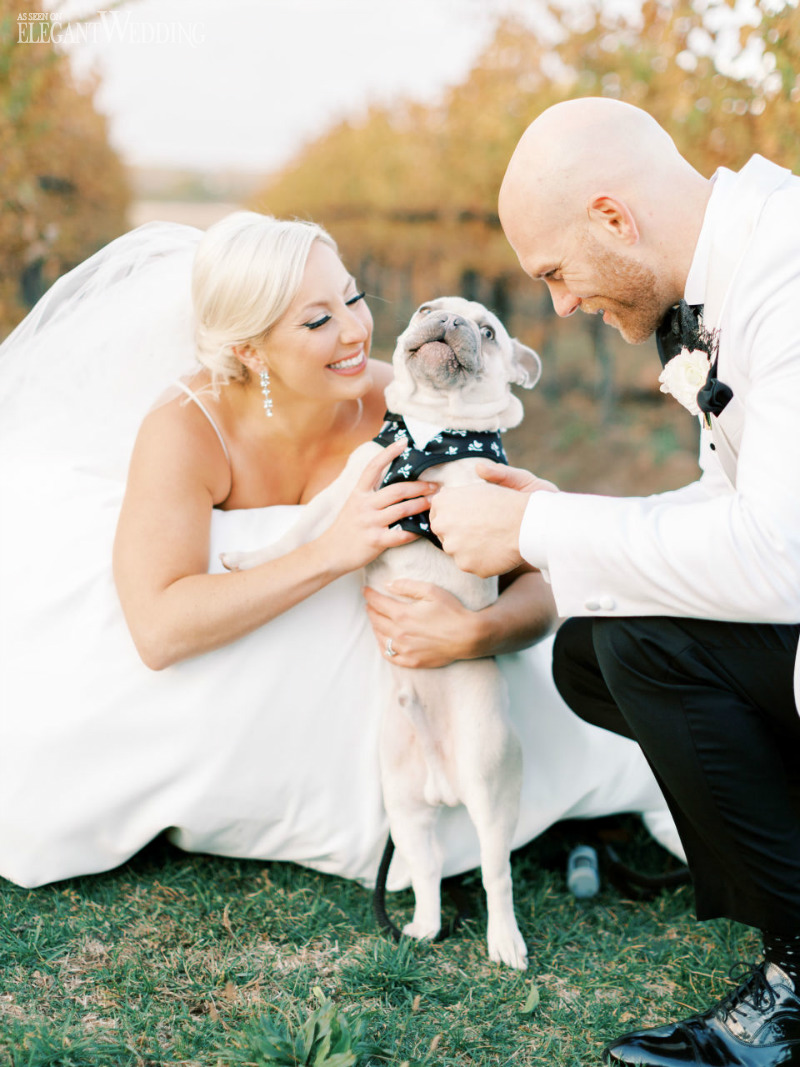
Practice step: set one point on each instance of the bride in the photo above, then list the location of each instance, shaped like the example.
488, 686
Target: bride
177, 395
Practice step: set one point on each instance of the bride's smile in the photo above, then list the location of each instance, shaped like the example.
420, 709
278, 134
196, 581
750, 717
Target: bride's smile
351, 365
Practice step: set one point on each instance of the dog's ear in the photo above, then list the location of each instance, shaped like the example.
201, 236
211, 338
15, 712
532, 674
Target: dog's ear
526, 365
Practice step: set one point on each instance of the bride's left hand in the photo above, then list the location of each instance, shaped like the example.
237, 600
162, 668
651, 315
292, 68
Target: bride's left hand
428, 626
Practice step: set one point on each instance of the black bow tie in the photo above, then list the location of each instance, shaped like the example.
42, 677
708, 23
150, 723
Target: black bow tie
680, 328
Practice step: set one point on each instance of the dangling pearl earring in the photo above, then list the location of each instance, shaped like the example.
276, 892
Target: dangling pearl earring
265, 390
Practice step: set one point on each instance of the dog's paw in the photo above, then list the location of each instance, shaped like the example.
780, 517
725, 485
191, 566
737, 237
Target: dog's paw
507, 946
230, 560
421, 931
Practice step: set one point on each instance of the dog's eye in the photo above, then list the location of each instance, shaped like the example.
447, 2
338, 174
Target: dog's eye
487, 332
423, 309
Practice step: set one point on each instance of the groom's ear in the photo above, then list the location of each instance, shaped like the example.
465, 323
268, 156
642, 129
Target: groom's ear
614, 217
526, 365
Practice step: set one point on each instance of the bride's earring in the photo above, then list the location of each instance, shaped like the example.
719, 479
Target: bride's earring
265, 390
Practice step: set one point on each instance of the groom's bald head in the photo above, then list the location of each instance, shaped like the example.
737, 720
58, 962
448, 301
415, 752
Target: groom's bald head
578, 146
604, 170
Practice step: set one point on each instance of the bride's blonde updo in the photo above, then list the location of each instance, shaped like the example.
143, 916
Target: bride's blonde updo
247, 270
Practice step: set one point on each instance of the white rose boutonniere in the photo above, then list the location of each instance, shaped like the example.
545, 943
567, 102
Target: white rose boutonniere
684, 376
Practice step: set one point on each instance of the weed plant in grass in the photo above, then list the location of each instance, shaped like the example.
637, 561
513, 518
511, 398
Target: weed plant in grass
204, 962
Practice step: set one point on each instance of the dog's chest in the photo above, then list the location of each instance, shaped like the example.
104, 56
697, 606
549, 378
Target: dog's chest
431, 447
423, 562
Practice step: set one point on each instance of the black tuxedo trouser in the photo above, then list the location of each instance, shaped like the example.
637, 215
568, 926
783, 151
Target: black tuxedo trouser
712, 706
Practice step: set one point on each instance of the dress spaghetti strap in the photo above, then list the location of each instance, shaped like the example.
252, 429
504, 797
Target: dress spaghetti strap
193, 396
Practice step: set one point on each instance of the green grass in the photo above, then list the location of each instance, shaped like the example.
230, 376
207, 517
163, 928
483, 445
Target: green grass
204, 962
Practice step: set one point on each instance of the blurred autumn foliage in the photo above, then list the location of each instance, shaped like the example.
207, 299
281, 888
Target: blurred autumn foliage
63, 189
413, 185
410, 192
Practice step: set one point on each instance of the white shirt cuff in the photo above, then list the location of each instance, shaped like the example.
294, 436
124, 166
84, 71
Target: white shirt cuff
532, 539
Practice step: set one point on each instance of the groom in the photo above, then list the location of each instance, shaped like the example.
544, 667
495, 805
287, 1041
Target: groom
683, 608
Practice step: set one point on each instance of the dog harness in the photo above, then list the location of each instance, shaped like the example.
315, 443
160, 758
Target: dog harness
445, 447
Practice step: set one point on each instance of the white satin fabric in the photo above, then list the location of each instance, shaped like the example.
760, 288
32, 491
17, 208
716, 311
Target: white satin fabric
264, 749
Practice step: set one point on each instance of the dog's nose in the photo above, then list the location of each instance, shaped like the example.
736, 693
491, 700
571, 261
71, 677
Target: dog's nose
451, 322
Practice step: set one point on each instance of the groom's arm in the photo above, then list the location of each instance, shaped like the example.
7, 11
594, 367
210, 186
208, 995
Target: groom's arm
733, 555
488, 532
706, 551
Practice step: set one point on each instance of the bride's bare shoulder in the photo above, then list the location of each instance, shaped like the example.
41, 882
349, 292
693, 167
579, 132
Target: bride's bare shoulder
177, 436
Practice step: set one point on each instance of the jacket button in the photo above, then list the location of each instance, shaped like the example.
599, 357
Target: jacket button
601, 603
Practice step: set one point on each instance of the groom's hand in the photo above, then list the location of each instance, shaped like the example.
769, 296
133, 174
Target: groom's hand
478, 525
513, 477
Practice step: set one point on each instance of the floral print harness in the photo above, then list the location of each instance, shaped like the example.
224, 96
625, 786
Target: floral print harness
445, 447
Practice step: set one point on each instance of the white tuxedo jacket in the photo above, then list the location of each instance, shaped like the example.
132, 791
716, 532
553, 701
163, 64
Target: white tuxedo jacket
728, 545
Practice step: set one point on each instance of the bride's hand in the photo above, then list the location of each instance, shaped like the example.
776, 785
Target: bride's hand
361, 530
428, 626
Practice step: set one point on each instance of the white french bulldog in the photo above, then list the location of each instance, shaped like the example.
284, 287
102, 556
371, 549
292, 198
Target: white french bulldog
446, 736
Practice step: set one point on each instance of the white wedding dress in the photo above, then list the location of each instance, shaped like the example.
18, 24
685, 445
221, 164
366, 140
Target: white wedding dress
264, 749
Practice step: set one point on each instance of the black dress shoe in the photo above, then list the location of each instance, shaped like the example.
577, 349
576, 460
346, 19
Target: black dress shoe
755, 1025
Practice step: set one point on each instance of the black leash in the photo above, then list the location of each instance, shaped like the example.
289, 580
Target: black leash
627, 880
452, 886
379, 896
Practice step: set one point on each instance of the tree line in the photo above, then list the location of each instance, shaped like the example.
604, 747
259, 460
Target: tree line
410, 191
63, 189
